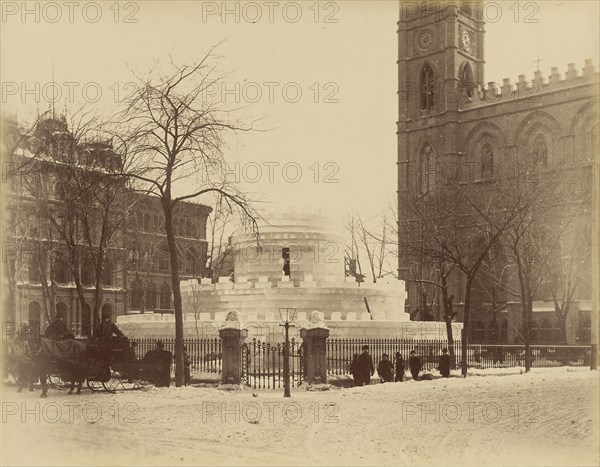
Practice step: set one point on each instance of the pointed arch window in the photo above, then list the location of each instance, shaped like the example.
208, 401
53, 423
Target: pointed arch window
487, 161
427, 167
427, 87
466, 80
147, 223
150, 296
136, 296
540, 151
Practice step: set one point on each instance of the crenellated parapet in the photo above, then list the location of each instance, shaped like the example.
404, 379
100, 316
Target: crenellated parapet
523, 89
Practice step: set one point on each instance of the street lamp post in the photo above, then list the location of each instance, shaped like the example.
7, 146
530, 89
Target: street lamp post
287, 316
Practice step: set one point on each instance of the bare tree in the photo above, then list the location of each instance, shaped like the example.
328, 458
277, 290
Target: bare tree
568, 268
219, 258
173, 140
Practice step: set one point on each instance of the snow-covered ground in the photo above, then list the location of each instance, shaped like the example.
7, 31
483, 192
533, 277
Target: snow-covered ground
546, 417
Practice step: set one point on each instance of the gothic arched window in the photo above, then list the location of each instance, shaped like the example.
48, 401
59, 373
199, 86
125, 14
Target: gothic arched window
136, 296
466, 80
487, 161
140, 220
147, 223
427, 87
165, 296
61, 271
427, 166
107, 273
540, 151
150, 296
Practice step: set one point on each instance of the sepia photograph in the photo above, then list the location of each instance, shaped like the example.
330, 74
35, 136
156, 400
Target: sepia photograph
313, 233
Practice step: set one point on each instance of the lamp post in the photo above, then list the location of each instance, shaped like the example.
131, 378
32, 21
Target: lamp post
287, 315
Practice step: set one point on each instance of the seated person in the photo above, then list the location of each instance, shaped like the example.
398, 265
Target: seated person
57, 330
105, 331
163, 376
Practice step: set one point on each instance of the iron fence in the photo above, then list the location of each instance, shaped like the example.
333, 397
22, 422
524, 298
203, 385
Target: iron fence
205, 354
542, 356
340, 353
262, 364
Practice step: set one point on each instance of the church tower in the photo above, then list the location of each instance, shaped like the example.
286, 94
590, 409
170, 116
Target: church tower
440, 66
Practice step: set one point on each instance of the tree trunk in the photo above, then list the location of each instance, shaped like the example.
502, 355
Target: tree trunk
448, 320
466, 326
172, 245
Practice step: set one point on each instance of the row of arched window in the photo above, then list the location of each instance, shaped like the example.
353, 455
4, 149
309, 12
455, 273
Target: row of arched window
152, 301
62, 275
427, 88
190, 263
545, 332
485, 162
154, 223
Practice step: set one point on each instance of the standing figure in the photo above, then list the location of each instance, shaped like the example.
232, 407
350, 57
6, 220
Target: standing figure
355, 370
385, 369
445, 363
399, 367
186, 366
365, 366
414, 364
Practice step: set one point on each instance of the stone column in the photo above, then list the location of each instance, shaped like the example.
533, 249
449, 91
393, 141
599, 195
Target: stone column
315, 353
233, 338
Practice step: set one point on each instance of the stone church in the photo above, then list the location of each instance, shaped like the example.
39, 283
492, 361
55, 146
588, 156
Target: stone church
450, 117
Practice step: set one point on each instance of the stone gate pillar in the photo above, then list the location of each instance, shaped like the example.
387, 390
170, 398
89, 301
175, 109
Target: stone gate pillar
314, 338
232, 337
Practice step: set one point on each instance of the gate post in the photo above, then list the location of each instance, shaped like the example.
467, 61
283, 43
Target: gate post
314, 338
233, 338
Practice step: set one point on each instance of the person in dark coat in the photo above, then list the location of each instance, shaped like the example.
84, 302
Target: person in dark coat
385, 369
186, 366
163, 358
103, 334
445, 363
57, 330
355, 371
399, 367
107, 329
365, 366
414, 364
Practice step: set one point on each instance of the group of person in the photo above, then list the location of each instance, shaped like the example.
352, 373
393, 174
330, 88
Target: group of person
106, 331
362, 367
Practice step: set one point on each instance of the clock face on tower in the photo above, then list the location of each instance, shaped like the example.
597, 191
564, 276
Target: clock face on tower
425, 40
466, 41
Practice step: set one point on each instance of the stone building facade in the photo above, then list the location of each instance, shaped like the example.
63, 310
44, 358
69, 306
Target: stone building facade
449, 117
136, 274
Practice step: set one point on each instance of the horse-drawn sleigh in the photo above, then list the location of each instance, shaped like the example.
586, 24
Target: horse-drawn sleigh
110, 365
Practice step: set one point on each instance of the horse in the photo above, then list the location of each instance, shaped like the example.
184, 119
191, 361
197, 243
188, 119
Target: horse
19, 353
68, 359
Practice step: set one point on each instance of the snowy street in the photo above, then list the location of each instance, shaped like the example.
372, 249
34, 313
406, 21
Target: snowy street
547, 417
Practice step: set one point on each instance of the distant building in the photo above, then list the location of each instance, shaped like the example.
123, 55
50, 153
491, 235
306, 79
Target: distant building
136, 274
449, 116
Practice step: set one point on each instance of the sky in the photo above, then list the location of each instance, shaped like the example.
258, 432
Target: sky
319, 79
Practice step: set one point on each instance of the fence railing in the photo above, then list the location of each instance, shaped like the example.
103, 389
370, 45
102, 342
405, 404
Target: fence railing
340, 353
262, 364
205, 354
542, 356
